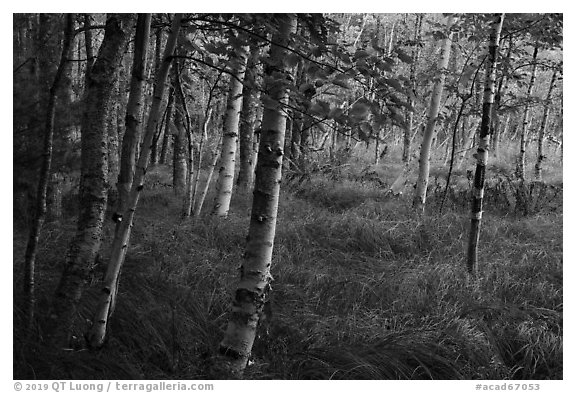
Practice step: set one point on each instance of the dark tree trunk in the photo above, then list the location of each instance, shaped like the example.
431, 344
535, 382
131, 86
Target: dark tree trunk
94, 177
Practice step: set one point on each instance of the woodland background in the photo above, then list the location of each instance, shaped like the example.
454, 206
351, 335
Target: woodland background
377, 119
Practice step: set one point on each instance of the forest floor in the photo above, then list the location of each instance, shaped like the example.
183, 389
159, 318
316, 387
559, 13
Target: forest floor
363, 288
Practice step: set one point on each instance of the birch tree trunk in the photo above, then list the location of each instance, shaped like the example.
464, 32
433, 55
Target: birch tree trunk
248, 120
133, 113
94, 172
253, 287
200, 202
40, 211
167, 129
424, 162
521, 165
230, 136
483, 145
107, 302
542, 133
410, 114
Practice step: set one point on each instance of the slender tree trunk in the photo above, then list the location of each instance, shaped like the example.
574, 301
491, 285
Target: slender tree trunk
202, 196
157, 63
203, 138
121, 240
542, 133
521, 165
252, 289
88, 43
133, 113
94, 176
483, 145
230, 137
502, 87
40, 211
248, 120
167, 129
179, 161
410, 113
424, 162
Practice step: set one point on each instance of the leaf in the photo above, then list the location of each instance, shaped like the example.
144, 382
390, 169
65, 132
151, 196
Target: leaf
335, 113
292, 60
342, 81
383, 66
320, 108
360, 54
359, 111
394, 83
404, 56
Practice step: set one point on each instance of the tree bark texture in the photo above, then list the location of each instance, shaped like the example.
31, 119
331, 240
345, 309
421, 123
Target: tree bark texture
133, 118
121, 240
410, 113
424, 162
483, 145
248, 121
253, 287
542, 132
521, 166
44, 178
94, 175
230, 136
167, 129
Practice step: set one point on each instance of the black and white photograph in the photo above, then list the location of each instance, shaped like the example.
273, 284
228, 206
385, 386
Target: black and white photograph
287, 196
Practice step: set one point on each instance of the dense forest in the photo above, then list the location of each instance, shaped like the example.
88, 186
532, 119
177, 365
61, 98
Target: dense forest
287, 196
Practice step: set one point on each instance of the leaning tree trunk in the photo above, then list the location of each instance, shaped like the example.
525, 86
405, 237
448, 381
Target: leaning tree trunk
230, 137
133, 112
483, 145
200, 202
424, 162
40, 211
93, 179
248, 120
119, 247
521, 164
254, 285
542, 133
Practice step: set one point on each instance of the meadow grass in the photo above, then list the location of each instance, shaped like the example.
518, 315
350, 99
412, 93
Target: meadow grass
363, 289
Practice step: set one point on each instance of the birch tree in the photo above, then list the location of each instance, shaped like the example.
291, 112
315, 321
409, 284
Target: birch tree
107, 301
230, 136
94, 173
543, 125
252, 289
41, 194
424, 162
133, 111
521, 163
248, 120
483, 144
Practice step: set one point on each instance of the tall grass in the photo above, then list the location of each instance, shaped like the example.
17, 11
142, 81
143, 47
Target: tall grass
362, 289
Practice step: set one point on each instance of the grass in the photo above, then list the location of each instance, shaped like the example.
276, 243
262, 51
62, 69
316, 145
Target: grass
363, 289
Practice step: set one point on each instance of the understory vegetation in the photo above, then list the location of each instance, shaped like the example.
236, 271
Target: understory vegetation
363, 287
